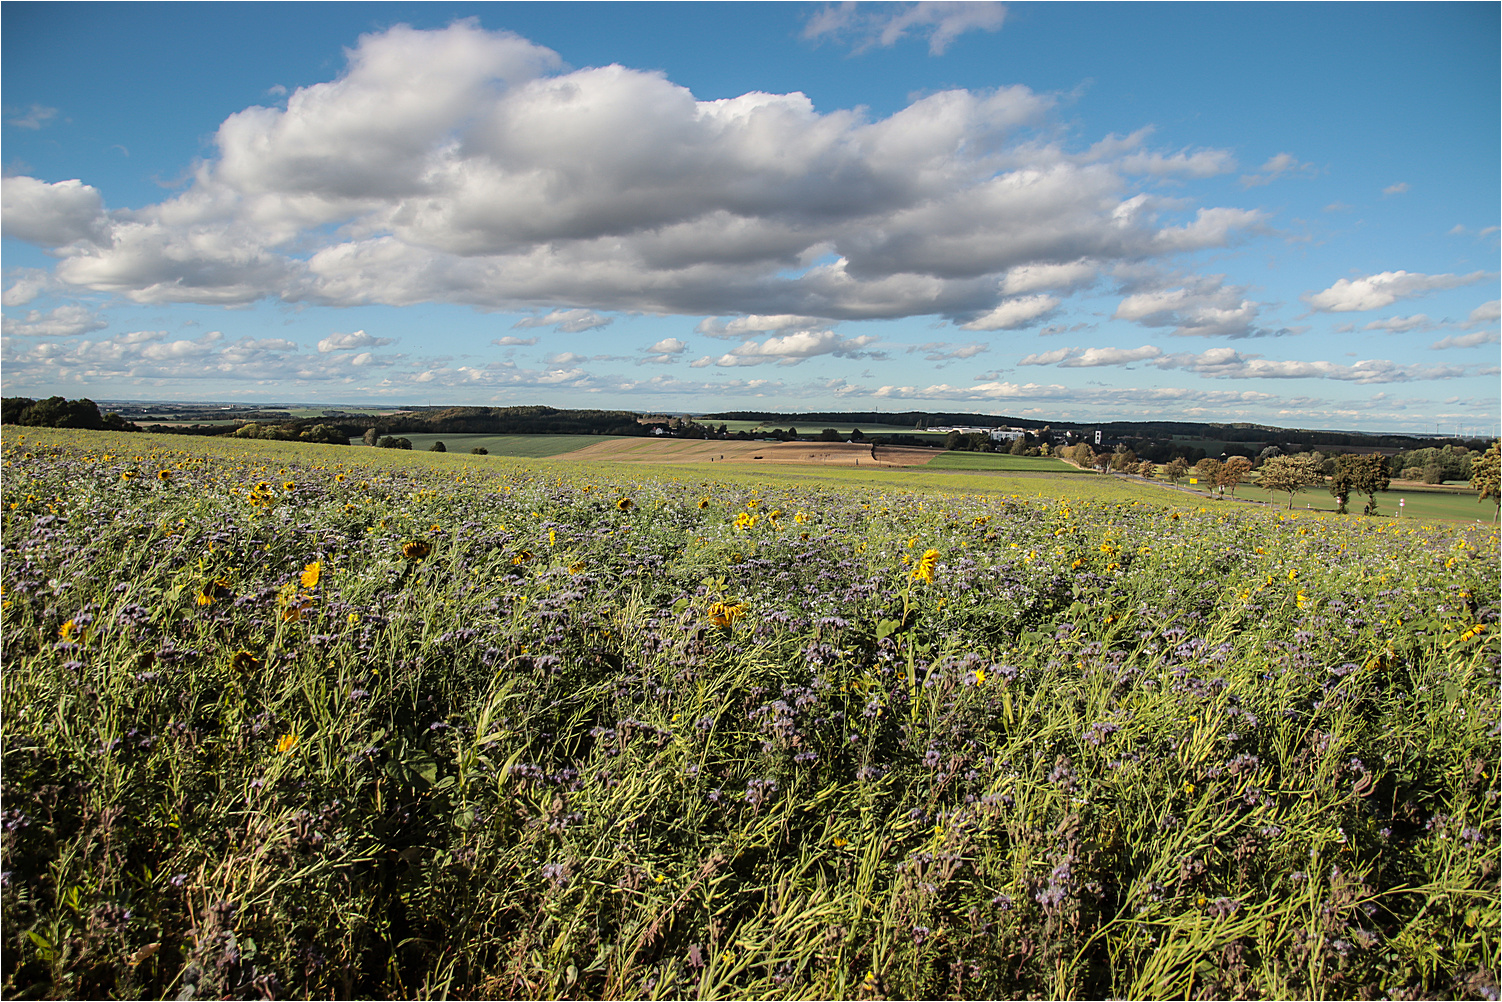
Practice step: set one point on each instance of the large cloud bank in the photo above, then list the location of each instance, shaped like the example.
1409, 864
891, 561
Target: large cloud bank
465, 166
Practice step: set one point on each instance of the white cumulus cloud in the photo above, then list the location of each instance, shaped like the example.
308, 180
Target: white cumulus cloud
943, 351
742, 326
1486, 313
669, 349
1203, 308
790, 349
1012, 314
1373, 292
352, 341
566, 321
26, 284
63, 321
1093, 357
52, 215
1472, 340
1399, 325
466, 166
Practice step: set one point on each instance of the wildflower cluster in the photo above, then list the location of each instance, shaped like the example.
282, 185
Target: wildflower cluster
445, 726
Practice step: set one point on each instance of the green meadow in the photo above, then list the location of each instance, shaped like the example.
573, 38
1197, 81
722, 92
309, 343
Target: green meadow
306, 721
1002, 462
1417, 503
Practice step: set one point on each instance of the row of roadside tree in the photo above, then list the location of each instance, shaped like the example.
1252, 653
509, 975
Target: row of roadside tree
1344, 476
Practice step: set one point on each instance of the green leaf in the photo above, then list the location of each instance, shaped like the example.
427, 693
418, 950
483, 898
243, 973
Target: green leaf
45, 949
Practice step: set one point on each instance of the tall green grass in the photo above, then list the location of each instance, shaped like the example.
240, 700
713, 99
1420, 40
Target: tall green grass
291, 721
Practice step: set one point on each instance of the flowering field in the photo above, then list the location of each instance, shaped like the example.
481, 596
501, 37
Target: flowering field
281, 723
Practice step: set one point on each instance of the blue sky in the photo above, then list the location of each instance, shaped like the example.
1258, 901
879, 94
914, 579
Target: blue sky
1281, 213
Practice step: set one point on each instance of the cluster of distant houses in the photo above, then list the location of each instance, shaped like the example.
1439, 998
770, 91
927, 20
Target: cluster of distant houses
997, 434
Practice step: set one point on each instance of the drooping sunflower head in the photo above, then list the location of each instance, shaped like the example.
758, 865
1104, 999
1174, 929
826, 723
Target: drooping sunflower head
923, 570
724, 614
416, 550
212, 591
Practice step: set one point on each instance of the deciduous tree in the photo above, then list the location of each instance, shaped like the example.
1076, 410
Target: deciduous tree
1361, 475
1485, 475
1208, 471
1232, 472
1289, 473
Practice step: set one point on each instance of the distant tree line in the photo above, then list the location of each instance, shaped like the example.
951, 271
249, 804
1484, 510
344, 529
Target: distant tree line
507, 421
59, 412
294, 431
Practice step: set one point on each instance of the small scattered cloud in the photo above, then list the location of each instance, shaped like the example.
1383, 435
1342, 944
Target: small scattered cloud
1014, 314
511, 341
1373, 292
565, 360
790, 349
1215, 227
26, 284
276, 90
566, 321
1486, 313
667, 350
1472, 340
740, 327
1228, 363
32, 118
871, 25
1277, 166
1399, 325
1086, 358
1338, 207
1198, 164
1395, 189
943, 351
353, 341
1203, 307
63, 321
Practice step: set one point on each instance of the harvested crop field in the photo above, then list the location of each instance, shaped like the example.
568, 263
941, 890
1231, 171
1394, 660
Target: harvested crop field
677, 450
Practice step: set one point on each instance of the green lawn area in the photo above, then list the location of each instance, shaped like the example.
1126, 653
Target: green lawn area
1448, 506
1000, 461
523, 446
